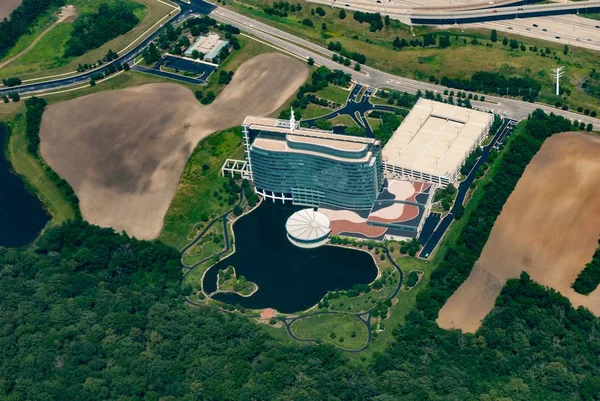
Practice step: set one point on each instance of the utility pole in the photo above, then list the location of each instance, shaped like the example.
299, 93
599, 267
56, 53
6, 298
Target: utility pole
557, 73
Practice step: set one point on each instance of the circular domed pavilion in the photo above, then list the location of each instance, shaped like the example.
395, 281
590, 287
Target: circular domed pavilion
308, 228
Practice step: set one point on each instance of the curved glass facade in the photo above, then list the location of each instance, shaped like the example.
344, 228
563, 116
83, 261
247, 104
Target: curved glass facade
312, 174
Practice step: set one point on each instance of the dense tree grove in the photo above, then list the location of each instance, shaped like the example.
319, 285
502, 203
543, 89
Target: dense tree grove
589, 278
92, 30
388, 125
20, 20
373, 19
320, 79
460, 259
92, 315
533, 347
87, 314
493, 82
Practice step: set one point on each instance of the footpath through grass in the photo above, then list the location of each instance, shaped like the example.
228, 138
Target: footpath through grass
34, 174
344, 331
46, 57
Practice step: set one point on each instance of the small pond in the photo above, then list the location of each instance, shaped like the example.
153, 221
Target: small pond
22, 216
289, 278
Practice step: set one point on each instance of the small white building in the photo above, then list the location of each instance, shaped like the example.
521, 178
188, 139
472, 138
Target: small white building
209, 46
433, 142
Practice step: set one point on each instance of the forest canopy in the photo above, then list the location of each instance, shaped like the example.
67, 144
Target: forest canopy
92, 30
88, 314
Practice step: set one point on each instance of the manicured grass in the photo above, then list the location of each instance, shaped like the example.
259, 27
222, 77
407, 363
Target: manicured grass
343, 119
378, 100
194, 201
46, 57
34, 173
420, 63
334, 93
314, 111
278, 333
342, 330
591, 16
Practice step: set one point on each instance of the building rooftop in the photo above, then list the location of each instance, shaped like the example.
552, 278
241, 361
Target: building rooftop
283, 126
276, 145
307, 225
208, 45
435, 138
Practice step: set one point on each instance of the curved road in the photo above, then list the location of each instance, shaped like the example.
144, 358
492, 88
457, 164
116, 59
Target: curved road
304, 49
510, 108
126, 58
355, 109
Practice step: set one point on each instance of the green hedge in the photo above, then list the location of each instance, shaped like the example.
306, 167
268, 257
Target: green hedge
460, 257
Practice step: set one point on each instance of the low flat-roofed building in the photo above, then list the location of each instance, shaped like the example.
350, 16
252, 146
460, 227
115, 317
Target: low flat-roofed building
209, 46
311, 167
433, 142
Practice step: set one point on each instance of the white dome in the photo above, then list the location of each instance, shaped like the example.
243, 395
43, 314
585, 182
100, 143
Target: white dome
307, 227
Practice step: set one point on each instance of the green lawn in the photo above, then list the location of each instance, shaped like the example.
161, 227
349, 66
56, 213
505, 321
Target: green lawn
343, 119
420, 63
378, 100
194, 201
46, 56
334, 93
34, 173
314, 111
342, 330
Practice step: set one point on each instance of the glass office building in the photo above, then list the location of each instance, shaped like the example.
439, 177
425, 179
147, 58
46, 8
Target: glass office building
312, 167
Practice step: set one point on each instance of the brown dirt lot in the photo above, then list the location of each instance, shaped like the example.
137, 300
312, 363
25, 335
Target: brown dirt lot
549, 227
7, 6
124, 151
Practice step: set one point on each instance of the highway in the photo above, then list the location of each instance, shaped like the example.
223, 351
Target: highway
572, 30
462, 13
368, 76
304, 49
503, 13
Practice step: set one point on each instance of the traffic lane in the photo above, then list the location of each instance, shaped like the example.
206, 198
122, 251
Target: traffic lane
84, 77
506, 107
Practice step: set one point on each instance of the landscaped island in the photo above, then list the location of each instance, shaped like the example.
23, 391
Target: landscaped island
228, 281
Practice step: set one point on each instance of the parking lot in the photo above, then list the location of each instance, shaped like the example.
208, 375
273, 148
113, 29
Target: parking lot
197, 69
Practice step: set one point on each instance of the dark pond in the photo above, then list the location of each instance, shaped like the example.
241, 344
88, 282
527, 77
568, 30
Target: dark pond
289, 278
22, 216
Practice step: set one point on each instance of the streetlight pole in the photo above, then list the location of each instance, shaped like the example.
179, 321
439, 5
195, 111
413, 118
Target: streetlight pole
557, 73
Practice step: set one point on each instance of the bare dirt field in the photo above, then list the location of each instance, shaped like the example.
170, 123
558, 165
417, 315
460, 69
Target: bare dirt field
549, 227
7, 6
123, 151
